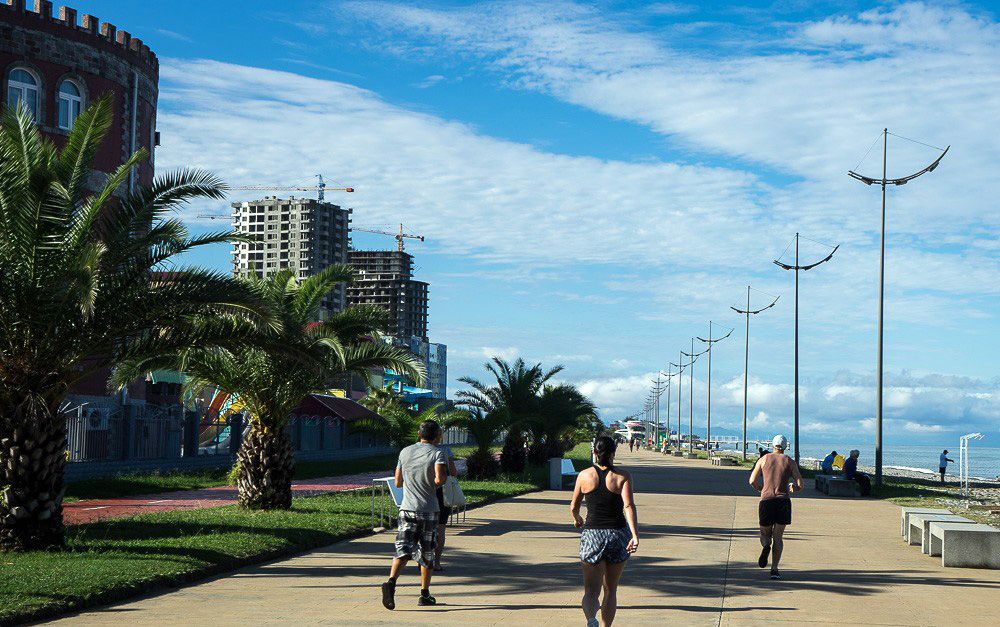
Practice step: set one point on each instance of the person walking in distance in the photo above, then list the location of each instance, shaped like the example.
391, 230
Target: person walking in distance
943, 463
610, 533
771, 477
444, 512
422, 468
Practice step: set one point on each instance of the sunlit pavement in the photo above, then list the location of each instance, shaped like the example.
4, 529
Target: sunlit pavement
515, 563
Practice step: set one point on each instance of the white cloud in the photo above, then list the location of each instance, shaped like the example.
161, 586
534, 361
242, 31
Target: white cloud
916, 427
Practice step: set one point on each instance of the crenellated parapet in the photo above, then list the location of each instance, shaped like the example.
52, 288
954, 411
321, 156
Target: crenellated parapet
105, 35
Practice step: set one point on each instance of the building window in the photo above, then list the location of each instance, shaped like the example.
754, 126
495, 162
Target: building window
22, 86
70, 104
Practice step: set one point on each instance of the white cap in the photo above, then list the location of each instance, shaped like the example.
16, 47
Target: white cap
780, 441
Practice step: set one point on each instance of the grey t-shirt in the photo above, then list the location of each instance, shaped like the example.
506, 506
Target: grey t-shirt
417, 462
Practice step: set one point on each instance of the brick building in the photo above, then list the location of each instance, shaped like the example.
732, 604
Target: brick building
59, 65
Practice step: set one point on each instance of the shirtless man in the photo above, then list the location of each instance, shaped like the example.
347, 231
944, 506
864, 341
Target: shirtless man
771, 477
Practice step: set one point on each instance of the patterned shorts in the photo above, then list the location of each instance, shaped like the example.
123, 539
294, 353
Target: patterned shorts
417, 536
611, 545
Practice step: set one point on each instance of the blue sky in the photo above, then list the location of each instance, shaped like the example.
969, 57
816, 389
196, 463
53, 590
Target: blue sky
597, 181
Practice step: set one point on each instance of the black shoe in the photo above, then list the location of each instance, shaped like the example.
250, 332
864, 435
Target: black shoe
775, 575
388, 595
426, 600
762, 560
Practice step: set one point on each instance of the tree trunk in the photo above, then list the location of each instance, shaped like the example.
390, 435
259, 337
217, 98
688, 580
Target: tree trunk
266, 467
32, 463
513, 457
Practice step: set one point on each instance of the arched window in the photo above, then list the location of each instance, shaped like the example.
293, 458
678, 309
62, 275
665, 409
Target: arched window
70, 104
22, 86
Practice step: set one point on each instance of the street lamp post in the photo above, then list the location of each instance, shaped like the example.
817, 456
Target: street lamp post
746, 360
711, 342
796, 267
883, 182
694, 357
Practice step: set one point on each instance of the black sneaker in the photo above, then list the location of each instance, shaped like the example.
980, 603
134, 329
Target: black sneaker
388, 595
764, 552
426, 600
775, 575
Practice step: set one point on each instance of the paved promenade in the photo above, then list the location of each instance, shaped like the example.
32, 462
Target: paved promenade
515, 563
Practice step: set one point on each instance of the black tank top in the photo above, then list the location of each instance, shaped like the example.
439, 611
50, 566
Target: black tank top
605, 509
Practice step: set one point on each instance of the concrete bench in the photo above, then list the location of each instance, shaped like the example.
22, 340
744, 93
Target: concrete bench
723, 461
919, 522
561, 472
690, 456
678, 453
837, 485
965, 545
904, 523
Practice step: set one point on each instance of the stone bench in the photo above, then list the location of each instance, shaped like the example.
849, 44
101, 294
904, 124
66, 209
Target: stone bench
920, 521
904, 523
678, 453
965, 545
836, 485
690, 456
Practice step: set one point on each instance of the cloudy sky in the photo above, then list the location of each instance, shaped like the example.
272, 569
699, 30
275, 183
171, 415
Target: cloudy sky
598, 181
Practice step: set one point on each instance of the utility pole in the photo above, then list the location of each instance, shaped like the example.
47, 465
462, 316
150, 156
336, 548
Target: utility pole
746, 360
796, 268
883, 182
711, 343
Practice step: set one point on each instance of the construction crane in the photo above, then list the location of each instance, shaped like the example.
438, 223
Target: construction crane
398, 236
320, 188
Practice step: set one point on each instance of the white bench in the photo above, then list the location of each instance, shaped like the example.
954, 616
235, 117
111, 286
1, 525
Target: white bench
559, 471
919, 521
965, 545
380, 486
723, 461
904, 523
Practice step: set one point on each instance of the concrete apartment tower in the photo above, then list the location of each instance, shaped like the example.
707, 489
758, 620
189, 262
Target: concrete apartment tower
385, 278
303, 235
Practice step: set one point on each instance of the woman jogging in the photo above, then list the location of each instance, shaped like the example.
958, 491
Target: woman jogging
610, 532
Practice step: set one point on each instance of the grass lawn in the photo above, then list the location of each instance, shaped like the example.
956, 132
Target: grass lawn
115, 559
133, 485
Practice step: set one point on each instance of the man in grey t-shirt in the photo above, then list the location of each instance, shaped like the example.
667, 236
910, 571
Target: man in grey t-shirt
422, 468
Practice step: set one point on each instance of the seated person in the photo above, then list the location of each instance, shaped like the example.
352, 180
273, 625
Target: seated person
827, 464
851, 472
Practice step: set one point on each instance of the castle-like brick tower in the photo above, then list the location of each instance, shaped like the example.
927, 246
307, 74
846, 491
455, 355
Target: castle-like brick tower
59, 65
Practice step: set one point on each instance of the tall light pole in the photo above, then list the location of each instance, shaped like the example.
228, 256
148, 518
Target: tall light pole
711, 342
670, 375
694, 357
680, 365
746, 360
796, 267
883, 182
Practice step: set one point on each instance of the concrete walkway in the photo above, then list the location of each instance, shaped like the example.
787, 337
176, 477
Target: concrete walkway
516, 563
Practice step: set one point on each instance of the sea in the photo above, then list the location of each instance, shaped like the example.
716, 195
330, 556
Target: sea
984, 461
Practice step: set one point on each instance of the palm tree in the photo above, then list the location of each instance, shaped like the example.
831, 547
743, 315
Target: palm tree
563, 410
485, 428
301, 358
76, 297
397, 424
514, 395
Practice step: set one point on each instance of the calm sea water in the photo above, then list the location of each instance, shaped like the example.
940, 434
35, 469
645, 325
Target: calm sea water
984, 461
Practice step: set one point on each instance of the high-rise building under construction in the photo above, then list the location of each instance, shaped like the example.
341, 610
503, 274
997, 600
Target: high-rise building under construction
303, 235
385, 278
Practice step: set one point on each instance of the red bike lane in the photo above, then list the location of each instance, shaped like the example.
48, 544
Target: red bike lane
93, 510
